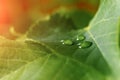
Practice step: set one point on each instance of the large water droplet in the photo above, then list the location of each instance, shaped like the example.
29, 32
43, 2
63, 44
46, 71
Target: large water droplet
67, 42
85, 44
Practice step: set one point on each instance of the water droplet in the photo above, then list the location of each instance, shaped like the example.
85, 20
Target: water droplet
67, 42
85, 44
80, 38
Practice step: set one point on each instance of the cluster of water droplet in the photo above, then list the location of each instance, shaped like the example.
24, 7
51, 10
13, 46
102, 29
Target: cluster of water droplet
79, 41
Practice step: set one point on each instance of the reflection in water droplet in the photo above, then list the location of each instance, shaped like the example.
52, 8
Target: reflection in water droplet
85, 44
67, 42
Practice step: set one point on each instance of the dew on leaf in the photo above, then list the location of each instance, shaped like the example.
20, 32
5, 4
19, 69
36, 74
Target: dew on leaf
80, 38
67, 42
85, 44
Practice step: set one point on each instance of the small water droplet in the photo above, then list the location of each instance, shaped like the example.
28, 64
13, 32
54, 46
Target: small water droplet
80, 38
67, 42
85, 44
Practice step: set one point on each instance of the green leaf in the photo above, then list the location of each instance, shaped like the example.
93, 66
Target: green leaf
104, 31
14, 54
48, 59
54, 68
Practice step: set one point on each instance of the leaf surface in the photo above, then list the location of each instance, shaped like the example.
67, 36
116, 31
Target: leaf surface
51, 60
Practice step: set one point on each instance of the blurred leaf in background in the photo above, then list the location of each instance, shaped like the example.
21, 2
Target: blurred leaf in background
20, 14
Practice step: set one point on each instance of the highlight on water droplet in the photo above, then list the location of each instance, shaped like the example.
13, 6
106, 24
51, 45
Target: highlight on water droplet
85, 44
79, 43
80, 38
67, 42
